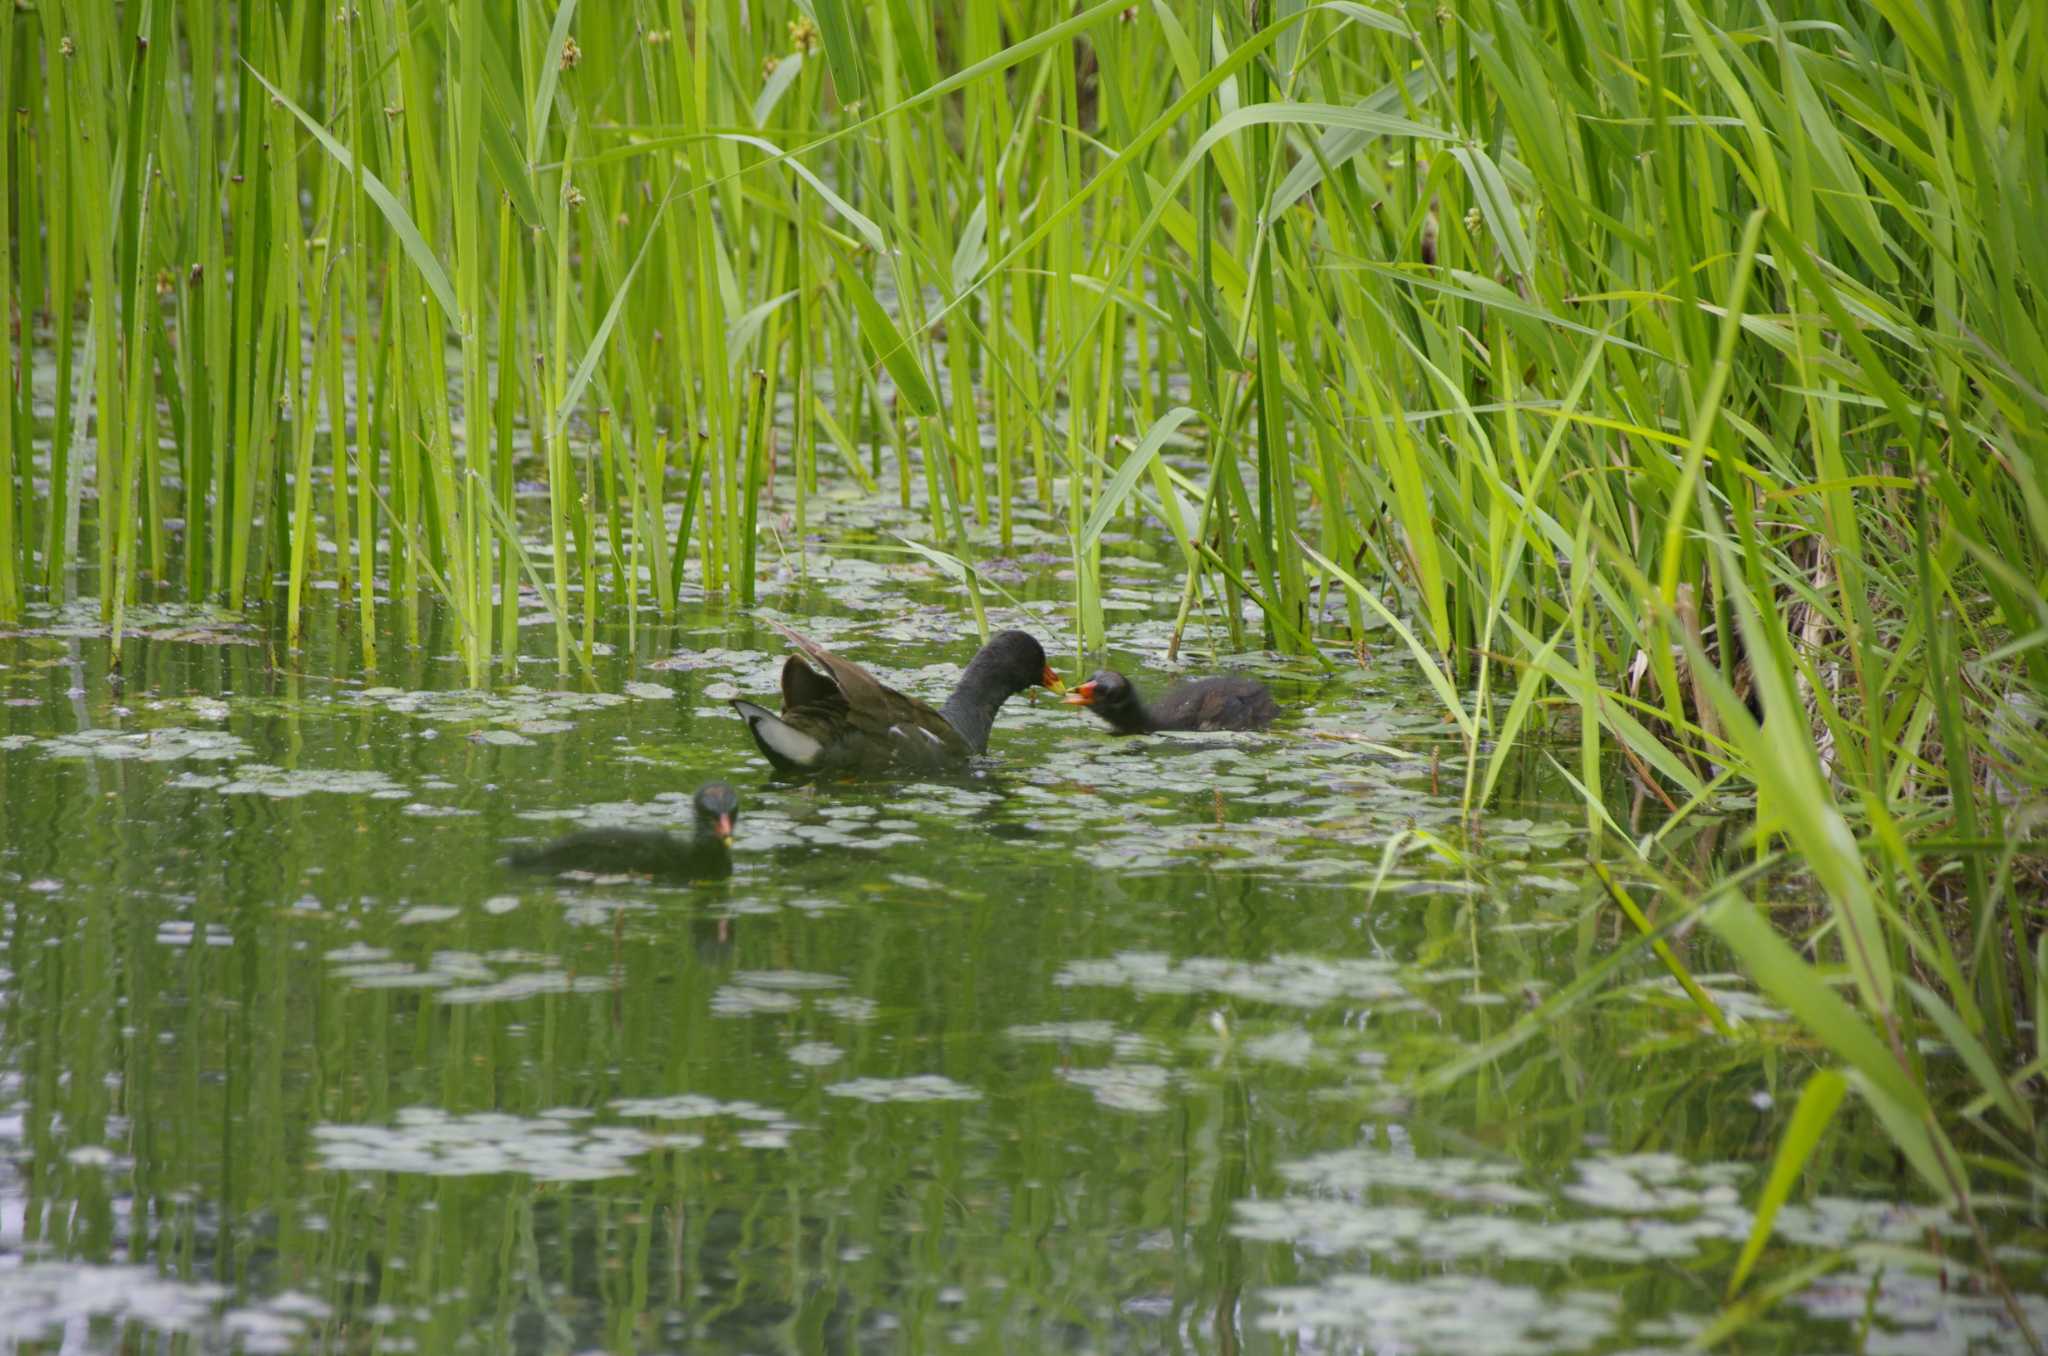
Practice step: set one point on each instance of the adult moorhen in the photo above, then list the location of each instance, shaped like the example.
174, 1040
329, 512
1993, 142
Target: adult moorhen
1200, 704
706, 853
837, 717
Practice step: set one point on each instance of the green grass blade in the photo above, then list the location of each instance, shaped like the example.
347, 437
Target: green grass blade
1126, 478
409, 237
1818, 1102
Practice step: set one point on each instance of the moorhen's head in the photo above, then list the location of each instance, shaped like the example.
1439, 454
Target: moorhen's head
1110, 695
717, 805
1014, 660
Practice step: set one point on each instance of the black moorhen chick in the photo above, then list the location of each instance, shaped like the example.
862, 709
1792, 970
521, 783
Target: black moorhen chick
1200, 704
706, 853
837, 717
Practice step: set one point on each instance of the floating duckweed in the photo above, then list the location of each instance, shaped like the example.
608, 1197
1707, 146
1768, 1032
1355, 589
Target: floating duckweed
507, 716
182, 932
1124, 1087
261, 779
1837, 1221
444, 969
1292, 981
277, 1324
1293, 1047
530, 985
793, 980
1445, 1178
1920, 1312
435, 1143
1737, 1004
37, 1299
917, 1088
824, 835
190, 623
1078, 1033
1659, 1206
165, 744
1446, 1315
851, 1008
1642, 1182
740, 1000
757, 1127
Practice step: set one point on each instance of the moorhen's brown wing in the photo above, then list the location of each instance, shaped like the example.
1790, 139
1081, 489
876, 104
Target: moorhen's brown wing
1216, 704
837, 716
848, 683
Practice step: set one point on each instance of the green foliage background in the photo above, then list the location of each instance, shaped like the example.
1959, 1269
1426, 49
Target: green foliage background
1639, 369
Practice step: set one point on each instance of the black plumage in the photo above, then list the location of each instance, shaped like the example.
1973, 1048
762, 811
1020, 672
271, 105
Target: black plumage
837, 717
704, 855
1199, 704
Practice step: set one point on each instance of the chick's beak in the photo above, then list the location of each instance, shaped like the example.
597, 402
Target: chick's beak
725, 829
1084, 695
1052, 680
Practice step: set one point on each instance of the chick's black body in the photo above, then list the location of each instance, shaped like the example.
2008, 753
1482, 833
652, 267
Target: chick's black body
704, 855
1200, 704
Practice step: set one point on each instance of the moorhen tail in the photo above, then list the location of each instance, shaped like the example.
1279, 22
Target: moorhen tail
706, 853
1201, 704
837, 717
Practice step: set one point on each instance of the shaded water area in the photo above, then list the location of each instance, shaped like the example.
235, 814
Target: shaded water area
1107, 1046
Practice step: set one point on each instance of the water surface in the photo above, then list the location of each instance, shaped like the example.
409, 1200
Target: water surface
1107, 1046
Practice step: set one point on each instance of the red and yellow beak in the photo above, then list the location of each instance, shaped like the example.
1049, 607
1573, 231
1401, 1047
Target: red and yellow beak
724, 829
1051, 680
1084, 695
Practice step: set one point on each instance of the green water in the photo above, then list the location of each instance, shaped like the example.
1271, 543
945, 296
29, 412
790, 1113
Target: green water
1109, 1046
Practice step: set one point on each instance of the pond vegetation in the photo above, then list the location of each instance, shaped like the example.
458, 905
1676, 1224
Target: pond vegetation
1613, 433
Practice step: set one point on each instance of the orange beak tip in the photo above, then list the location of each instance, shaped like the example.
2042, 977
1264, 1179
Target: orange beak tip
1084, 695
1051, 680
725, 829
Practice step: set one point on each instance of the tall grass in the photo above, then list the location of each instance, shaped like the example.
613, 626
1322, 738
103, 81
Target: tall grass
1662, 376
